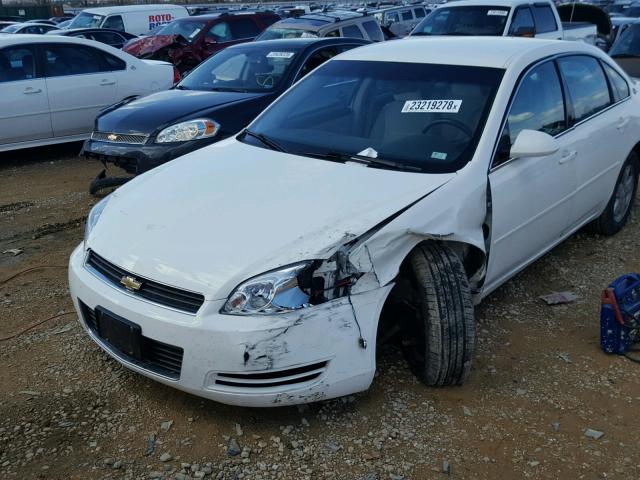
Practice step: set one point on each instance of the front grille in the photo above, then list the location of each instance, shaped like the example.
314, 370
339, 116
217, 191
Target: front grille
291, 376
157, 357
155, 292
119, 138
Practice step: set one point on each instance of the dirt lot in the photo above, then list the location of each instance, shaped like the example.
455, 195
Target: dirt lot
67, 411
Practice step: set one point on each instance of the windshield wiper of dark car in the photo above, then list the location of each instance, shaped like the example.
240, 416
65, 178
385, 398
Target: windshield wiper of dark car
365, 160
264, 139
228, 89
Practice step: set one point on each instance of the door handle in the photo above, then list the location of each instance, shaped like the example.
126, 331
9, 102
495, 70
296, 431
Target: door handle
567, 156
622, 122
106, 82
31, 90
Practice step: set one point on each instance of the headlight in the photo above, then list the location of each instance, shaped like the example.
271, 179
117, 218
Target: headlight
190, 130
93, 217
273, 292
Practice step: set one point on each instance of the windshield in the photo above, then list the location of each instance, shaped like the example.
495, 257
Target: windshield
188, 29
422, 116
86, 20
628, 43
11, 28
480, 20
248, 68
276, 33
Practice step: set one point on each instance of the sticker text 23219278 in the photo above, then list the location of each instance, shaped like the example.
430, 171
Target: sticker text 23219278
432, 106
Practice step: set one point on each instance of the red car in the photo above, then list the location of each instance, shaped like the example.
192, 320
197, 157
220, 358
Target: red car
188, 41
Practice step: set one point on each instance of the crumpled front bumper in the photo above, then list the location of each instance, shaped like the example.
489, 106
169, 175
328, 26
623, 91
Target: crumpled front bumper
258, 361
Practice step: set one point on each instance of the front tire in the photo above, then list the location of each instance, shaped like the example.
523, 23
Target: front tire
618, 209
440, 341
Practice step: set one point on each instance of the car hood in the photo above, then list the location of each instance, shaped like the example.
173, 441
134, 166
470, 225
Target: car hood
145, 115
148, 45
227, 212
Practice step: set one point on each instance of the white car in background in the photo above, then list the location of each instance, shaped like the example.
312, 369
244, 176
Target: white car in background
54, 87
390, 190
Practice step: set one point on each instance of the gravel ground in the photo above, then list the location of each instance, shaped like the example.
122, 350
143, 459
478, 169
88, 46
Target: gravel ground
539, 381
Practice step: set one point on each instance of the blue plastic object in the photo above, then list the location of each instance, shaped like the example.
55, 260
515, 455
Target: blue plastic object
620, 315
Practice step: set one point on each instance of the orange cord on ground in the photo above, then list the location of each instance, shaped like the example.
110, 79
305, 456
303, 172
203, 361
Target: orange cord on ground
33, 325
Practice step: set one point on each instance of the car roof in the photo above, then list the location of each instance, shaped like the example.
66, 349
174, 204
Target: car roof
69, 31
130, 8
314, 22
7, 40
494, 52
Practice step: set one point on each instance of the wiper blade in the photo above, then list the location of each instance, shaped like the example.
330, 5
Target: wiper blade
369, 161
266, 140
228, 89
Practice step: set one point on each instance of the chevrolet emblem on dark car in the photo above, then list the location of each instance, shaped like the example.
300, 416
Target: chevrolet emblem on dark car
130, 283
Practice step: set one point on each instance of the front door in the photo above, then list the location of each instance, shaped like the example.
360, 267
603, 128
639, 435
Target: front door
531, 197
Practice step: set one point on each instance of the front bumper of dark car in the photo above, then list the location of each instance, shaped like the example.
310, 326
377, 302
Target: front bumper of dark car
139, 158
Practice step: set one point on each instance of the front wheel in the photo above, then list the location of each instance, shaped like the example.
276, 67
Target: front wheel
440, 339
618, 209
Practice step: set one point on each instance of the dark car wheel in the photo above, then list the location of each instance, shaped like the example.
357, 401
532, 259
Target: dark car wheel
439, 342
619, 208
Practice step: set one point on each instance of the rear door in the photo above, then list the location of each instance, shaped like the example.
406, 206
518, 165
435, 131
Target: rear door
24, 108
78, 87
600, 122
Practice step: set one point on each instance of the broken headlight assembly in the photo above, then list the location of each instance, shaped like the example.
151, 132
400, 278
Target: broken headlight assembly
189, 130
301, 285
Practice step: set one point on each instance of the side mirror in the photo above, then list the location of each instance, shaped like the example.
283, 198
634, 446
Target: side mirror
532, 143
528, 32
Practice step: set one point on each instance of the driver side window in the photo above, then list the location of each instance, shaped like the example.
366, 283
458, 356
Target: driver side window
537, 105
522, 19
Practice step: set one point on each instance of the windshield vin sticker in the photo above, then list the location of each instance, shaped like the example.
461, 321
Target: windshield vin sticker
280, 54
431, 106
499, 13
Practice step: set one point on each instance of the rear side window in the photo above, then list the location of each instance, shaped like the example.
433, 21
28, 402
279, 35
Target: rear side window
332, 33
587, 85
352, 31
17, 63
393, 17
406, 15
545, 19
244, 28
522, 19
373, 30
538, 104
619, 85
115, 22
64, 60
419, 12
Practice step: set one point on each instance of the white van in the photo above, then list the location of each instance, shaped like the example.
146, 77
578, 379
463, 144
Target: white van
135, 19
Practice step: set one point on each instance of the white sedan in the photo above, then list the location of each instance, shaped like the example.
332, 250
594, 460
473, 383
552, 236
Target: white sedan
53, 87
390, 190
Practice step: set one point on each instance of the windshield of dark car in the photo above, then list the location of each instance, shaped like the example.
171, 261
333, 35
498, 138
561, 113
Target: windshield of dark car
424, 116
188, 29
628, 43
475, 20
248, 68
86, 20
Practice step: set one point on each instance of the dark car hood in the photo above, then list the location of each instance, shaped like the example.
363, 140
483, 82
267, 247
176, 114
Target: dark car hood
147, 114
149, 45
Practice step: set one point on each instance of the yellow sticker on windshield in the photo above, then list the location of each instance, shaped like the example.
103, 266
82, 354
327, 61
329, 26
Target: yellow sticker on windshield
432, 106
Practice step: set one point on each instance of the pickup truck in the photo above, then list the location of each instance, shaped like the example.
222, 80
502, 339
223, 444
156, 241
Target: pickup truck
518, 18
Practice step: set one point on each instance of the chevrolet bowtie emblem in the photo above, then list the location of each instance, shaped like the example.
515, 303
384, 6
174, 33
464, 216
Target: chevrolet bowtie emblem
130, 283
113, 137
